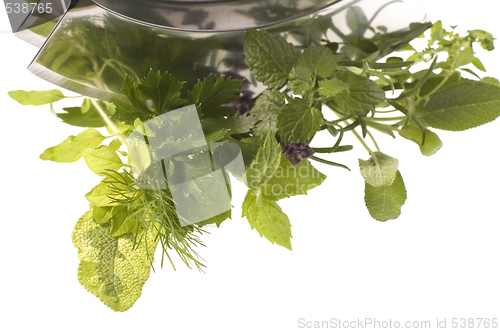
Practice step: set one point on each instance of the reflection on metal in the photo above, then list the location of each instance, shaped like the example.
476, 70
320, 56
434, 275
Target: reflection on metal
94, 46
170, 153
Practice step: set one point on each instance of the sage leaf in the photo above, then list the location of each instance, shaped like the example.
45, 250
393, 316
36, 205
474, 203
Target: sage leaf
379, 170
112, 269
462, 105
385, 202
268, 219
70, 150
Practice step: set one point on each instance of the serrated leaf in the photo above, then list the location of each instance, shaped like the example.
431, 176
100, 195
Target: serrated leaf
266, 110
414, 133
298, 122
290, 180
101, 159
36, 98
135, 109
462, 105
265, 163
385, 202
379, 170
332, 87
91, 118
363, 94
216, 135
209, 96
112, 269
316, 60
271, 58
70, 150
163, 90
268, 219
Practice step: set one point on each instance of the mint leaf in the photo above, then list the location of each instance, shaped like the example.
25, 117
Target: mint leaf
298, 122
209, 96
75, 116
265, 163
266, 110
379, 170
316, 60
363, 94
70, 150
332, 87
101, 159
36, 98
113, 269
271, 58
234, 124
290, 180
462, 105
268, 219
163, 90
431, 144
385, 202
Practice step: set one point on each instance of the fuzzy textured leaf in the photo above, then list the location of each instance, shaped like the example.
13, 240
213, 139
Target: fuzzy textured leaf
379, 170
385, 202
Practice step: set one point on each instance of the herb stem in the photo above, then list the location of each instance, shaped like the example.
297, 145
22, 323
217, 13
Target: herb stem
110, 123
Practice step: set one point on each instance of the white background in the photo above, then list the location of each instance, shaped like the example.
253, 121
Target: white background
440, 259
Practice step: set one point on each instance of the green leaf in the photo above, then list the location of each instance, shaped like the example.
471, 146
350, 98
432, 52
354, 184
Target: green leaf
357, 21
91, 118
478, 64
265, 163
209, 96
216, 135
100, 195
163, 90
70, 150
462, 105
85, 105
379, 170
217, 220
298, 122
465, 57
115, 144
363, 94
101, 214
490, 80
316, 60
36, 98
414, 133
135, 109
266, 110
268, 219
290, 180
121, 223
271, 58
101, 159
385, 202
234, 124
332, 87
112, 269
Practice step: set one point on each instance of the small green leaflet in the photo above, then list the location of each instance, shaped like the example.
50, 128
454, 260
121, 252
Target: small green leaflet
379, 170
385, 202
163, 90
136, 108
316, 60
290, 180
268, 219
121, 220
363, 94
462, 105
209, 96
75, 116
332, 87
101, 159
36, 98
70, 150
265, 163
266, 110
298, 122
414, 133
271, 58
113, 269
101, 214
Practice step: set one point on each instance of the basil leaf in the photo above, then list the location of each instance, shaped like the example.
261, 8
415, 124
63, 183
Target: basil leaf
70, 150
462, 105
36, 98
101, 159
